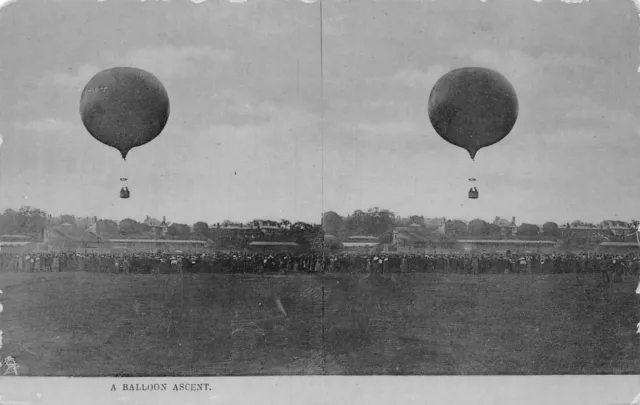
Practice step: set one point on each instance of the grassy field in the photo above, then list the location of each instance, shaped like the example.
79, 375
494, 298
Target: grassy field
87, 324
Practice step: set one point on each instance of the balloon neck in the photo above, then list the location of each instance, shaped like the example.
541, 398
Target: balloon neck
472, 153
124, 155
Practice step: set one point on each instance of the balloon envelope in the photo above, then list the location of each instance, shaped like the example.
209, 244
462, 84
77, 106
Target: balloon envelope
473, 108
124, 107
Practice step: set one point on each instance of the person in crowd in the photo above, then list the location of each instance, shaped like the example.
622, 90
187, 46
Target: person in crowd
613, 268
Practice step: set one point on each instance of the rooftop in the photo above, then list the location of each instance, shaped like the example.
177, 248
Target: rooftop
197, 242
417, 234
619, 244
292, 244
505, 242
359, 244
71, 234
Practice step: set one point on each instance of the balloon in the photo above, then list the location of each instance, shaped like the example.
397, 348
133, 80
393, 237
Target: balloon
473, 108
124, 107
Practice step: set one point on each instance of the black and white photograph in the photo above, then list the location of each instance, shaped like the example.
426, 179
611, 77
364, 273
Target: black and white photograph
318, 188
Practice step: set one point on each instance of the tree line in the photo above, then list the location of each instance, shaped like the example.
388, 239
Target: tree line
380, 222
376, 221
30, 221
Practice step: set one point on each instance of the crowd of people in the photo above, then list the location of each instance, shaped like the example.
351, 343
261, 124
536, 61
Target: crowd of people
483, 263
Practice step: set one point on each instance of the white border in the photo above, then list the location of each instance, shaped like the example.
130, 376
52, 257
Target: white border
496, 390
383, 390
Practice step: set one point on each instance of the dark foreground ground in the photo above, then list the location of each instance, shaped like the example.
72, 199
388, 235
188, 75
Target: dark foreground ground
88, 324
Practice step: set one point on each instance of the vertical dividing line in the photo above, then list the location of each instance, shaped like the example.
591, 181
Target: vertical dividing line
298, 78
181, 291
3, 200
295, 138
295, 142
322, 180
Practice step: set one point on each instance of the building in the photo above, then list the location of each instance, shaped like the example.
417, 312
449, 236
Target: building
504, 246
159, 228
67, 238
584, 236
438, 225
155, 245
362, 239
410, 237
266, 224
15, 238
234, 226
19, 247
360, 244
19, 244
617, 228
507, 228
416, 238
273, 247
618, 247
332, 243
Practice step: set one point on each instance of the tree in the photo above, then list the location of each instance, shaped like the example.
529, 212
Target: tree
26, 220
141, 227
402, 221
478, 227
456, 228
331, 243
284, 224
550, 229
128, 225
528, 230
378, 221
68, 218
332, 223
301, 227
201, 229
314, 239
181, 230
494, 230
309, 236
107, 227
386, 237
83, 223
355, 224
36, 219
132, 226
10, 222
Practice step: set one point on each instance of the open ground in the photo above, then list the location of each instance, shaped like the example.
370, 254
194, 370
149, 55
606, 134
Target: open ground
61, 324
